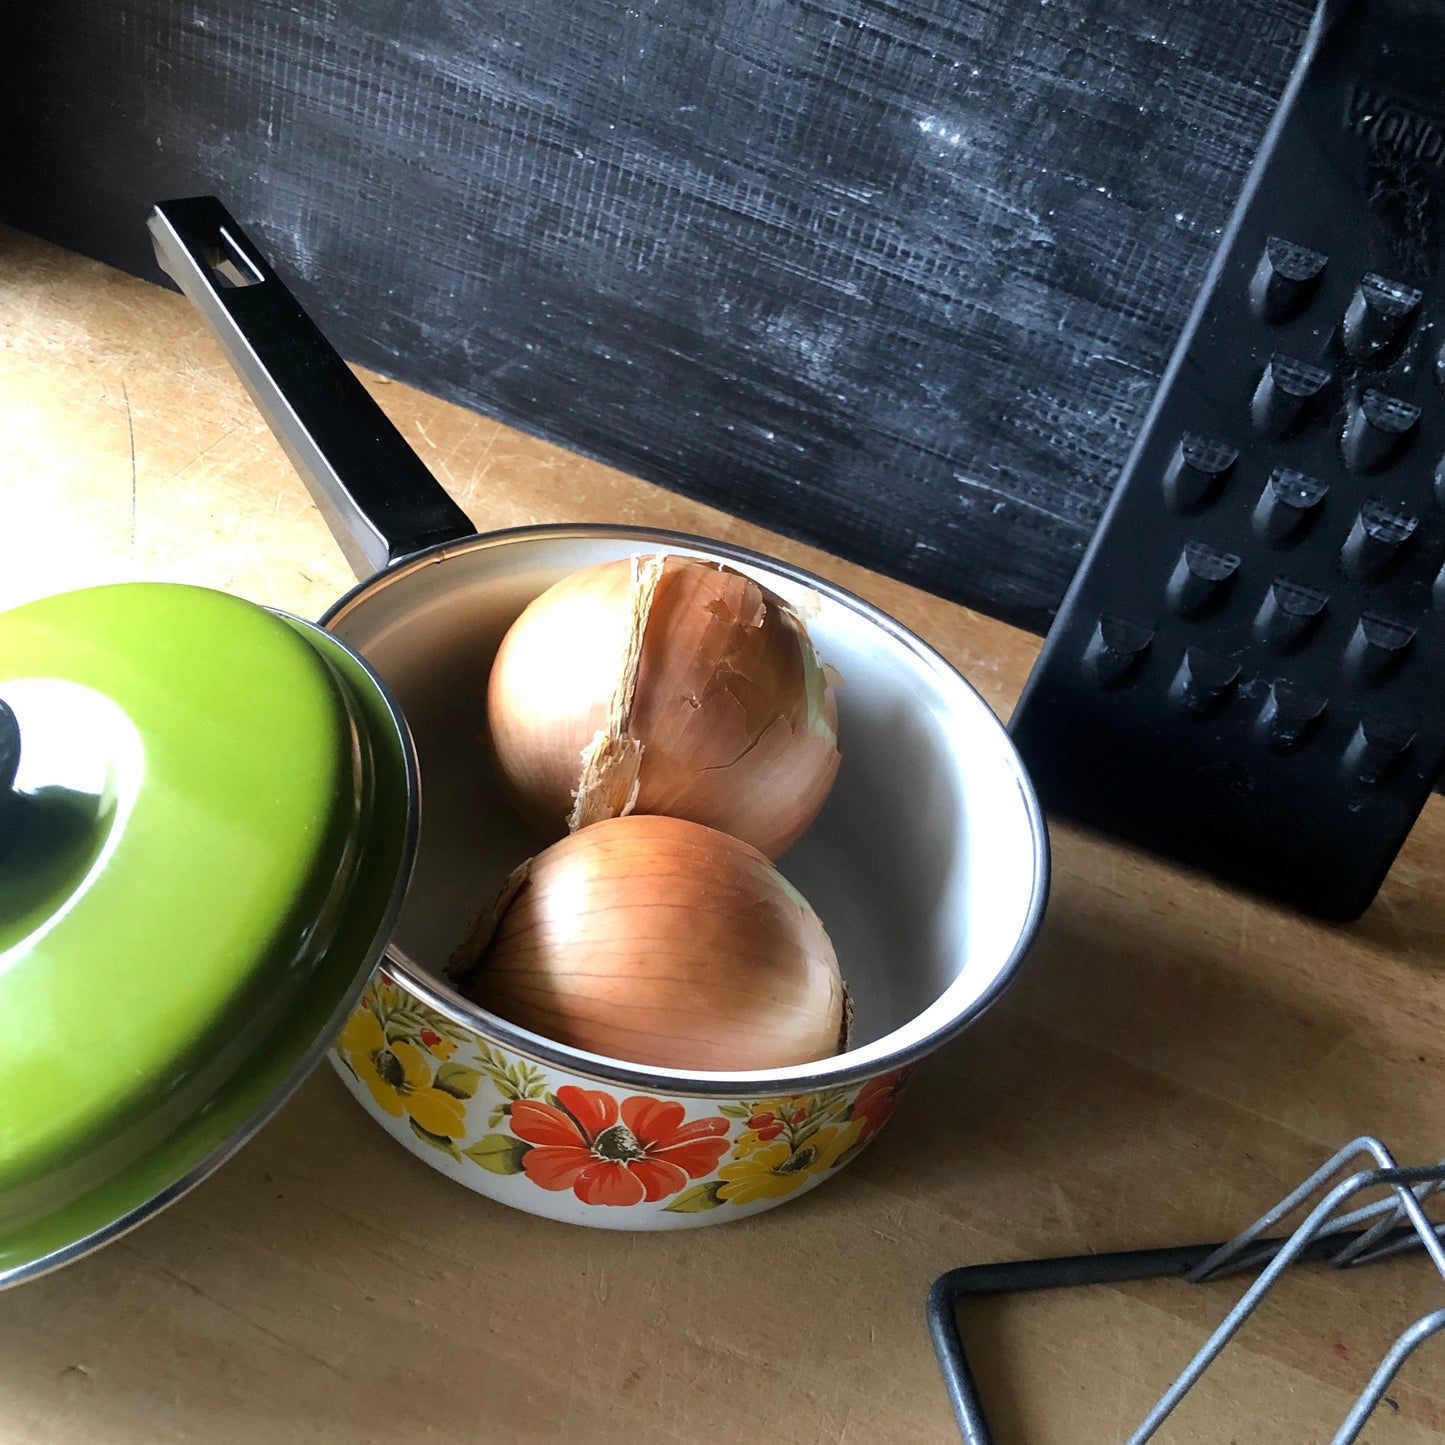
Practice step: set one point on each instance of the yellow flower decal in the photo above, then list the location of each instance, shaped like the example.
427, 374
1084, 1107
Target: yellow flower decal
767, 1169
399, 1076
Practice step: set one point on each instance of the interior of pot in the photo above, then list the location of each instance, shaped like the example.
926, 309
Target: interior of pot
927, 864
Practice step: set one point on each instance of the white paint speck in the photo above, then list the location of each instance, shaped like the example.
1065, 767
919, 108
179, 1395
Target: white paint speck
931, 125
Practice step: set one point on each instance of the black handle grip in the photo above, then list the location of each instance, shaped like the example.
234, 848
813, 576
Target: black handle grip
376, 495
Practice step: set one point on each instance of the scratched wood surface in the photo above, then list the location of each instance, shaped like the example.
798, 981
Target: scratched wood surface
897, 277
1172, 1058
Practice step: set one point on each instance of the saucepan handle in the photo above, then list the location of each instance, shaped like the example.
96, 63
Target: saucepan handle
376, 495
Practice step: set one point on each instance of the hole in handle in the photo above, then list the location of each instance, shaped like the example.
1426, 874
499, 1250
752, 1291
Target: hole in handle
231, 265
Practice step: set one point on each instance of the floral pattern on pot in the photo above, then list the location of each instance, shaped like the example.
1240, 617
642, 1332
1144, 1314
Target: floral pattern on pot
610, 1153
607, 1149
399, 1075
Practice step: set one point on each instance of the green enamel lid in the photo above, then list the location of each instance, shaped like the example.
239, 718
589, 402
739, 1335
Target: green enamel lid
202, 852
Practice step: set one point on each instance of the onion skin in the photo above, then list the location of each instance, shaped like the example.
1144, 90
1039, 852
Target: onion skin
664, 685
654, 940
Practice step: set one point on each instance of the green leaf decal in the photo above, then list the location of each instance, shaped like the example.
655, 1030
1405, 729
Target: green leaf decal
435, 1140
458, 1080
498, 1153
696, 1199
733, 1111
514, 1080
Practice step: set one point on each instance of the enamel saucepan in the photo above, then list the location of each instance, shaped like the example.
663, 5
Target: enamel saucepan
928, 864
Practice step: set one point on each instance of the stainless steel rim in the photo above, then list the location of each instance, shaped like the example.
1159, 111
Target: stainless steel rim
451, 1005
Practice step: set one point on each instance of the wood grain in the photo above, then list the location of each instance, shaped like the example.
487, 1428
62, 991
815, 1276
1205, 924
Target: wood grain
1172, 1057
896, 277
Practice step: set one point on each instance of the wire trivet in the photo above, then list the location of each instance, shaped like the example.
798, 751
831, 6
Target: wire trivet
1330, 1233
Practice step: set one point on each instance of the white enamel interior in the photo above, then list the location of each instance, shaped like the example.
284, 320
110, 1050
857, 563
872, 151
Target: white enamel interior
927, 864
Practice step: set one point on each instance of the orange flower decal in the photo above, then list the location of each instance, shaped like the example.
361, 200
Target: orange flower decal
876, 1101
610, 1154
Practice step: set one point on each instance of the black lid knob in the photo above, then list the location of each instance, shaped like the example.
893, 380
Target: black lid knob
9, 763
9, 747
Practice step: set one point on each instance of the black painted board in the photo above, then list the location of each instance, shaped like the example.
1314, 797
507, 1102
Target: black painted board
897, 277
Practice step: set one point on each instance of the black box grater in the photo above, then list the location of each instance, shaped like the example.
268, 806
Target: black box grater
1248, 671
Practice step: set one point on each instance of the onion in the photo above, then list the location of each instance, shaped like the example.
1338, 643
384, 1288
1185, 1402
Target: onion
658, 941
664, 685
